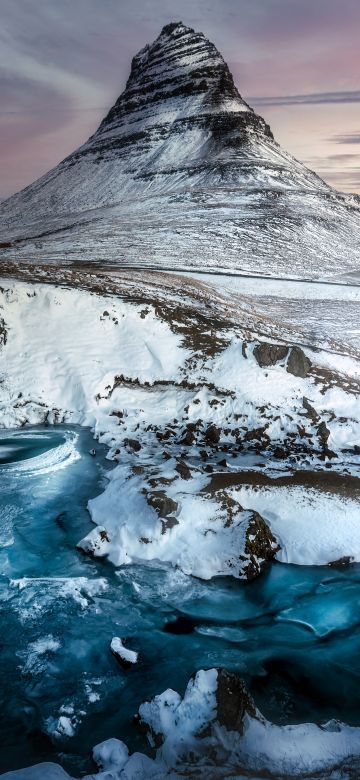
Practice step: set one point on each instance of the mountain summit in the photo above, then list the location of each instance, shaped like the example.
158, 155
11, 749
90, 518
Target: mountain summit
182, 172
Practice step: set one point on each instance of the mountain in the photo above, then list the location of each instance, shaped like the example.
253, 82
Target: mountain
182, 173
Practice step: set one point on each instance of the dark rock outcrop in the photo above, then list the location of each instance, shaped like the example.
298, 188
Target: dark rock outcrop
323, 433
298, 364
260, 545
212, 434
168, 524
183, 470
311, 412
267, 354
233, 701
163, 504
134, 444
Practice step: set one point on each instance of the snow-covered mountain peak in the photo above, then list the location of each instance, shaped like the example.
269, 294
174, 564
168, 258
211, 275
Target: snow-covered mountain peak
183, 173
181, 75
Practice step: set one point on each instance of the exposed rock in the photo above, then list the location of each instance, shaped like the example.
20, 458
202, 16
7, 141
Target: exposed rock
257, 434
3, 332
189, 438
341, 563
323, 433
233, 701
279, 453
267, 354
163, 504
168, 524
134, 444
260, 545
136, 469
212, 434
298, 364
183, 469
312, 413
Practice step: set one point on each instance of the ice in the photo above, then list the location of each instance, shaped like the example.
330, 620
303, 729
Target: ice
7, 515
325, 613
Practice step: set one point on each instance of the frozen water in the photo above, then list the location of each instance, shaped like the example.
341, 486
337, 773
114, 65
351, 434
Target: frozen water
293, 634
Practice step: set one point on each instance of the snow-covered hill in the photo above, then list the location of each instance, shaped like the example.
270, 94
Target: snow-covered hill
183, 173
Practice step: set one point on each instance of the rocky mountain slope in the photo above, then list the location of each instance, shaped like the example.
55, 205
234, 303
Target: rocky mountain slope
183, 173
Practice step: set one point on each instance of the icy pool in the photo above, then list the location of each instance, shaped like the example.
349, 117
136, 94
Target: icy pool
294, 633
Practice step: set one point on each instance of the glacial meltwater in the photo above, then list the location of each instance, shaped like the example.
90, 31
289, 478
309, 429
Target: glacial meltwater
293, 634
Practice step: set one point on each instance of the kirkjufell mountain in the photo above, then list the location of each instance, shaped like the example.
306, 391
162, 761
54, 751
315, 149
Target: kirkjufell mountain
226, 405
182, 173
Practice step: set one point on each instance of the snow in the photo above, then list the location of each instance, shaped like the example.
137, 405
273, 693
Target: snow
50, 375
55, 369
313, 527
182, 174
194, 742
117, 647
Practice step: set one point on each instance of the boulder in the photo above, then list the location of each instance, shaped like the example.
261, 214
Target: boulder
260, 545
183, 469
212, 434
233, 701
323, 433
298, 364
267, 354
168, 524
311, 412
341, 563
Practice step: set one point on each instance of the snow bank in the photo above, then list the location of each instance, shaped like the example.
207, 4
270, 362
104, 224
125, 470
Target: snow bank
313, 527
64, 348
193, 738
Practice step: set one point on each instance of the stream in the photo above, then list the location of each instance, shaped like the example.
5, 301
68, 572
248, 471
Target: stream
293, 634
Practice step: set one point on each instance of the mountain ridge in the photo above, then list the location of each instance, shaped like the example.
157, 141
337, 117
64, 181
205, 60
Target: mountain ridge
181, 142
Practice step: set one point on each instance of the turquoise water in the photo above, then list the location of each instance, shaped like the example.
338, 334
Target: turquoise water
294, 633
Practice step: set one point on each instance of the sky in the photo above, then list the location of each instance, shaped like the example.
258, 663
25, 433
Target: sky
63, 63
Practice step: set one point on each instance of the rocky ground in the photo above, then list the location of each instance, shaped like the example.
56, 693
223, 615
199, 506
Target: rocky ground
204, 407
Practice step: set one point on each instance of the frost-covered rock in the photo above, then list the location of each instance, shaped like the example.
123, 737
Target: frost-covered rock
96, 543
123, 655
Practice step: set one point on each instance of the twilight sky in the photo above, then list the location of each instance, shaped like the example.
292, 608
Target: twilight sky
64, 62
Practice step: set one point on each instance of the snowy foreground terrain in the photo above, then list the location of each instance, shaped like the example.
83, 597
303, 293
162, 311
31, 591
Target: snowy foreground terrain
236, 441
189, 291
